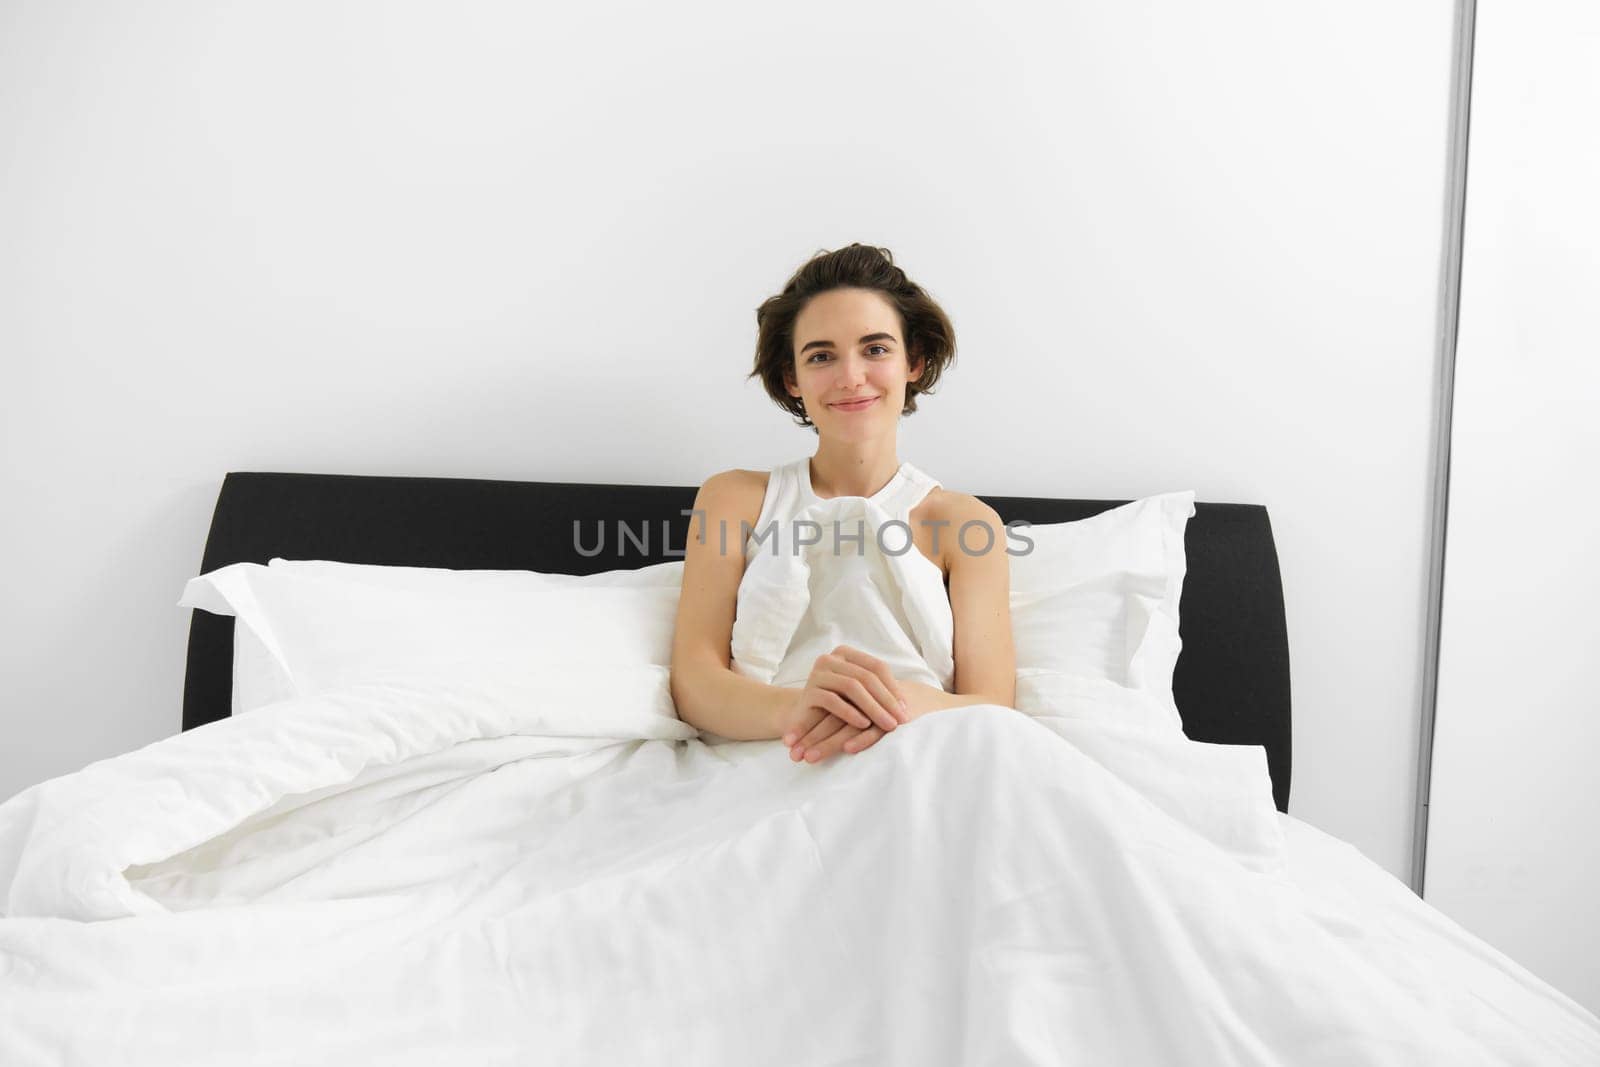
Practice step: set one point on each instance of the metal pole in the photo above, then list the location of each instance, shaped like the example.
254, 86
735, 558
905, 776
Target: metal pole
1445, 348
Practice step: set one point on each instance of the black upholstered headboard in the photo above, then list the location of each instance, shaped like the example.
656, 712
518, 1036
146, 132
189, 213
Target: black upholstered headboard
1231, 682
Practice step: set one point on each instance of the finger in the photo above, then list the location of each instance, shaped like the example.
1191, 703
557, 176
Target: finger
868, 693
829, 699
875, 673
903, 695
808, 719
857, 658
813, 717
852, 681
832, 745
862, 740
899, 701
821, 732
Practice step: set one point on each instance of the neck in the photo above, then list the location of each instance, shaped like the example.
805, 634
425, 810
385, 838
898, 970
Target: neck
857, 469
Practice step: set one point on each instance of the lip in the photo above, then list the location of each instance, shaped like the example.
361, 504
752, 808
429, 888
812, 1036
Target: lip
860, 405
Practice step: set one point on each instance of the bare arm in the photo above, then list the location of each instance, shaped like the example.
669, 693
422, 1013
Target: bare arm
980, 603
708, 693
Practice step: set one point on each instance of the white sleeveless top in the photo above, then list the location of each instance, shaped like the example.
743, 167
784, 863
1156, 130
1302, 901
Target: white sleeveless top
821, 573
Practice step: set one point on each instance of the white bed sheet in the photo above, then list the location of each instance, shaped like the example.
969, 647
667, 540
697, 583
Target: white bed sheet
388, 877
1412, 942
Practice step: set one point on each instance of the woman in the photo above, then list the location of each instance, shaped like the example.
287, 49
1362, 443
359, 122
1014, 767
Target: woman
846, 348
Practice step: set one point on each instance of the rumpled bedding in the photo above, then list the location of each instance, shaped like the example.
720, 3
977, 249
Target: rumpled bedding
392, 873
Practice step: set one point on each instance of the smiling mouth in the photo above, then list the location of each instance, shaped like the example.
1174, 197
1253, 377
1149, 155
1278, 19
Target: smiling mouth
855, 405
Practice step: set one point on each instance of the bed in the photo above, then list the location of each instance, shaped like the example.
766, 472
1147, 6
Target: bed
405, 874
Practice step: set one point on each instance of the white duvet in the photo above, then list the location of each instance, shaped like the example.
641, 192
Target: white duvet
391, 874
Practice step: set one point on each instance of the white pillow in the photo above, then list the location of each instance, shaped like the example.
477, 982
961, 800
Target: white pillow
425, 579
304, 629
1073, 696
258, 678
1097, 599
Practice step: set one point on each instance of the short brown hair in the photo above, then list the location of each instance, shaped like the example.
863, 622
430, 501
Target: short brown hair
928, 335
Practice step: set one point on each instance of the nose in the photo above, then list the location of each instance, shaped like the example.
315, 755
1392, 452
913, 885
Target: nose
853, 368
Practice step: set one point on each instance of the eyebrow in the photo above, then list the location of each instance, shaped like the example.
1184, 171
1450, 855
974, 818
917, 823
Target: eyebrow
809, 345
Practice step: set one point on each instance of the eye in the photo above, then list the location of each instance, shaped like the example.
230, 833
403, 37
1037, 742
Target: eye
819, 355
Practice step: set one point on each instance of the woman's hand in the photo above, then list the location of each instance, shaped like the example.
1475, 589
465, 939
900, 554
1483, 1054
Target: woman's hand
849, 701
828, 738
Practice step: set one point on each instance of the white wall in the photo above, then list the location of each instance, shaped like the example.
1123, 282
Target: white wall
1514, 822
1183, 246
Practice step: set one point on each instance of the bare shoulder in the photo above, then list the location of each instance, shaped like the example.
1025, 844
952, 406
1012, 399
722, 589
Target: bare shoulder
736, 489
731, 497
958, 508
739, 477
971, 524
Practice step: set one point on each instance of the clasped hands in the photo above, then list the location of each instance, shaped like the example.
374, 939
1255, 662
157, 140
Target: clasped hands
850, 700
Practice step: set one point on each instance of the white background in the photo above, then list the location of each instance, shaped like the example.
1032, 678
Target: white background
1184, 246
1514, 828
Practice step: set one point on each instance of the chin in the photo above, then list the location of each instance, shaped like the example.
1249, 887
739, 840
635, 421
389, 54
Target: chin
860, 431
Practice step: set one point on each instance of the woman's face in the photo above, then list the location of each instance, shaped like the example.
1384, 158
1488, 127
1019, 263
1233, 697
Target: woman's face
848, 345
